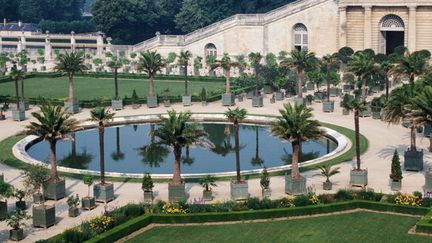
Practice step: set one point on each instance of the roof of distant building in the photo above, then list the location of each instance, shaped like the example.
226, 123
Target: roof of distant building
20, 27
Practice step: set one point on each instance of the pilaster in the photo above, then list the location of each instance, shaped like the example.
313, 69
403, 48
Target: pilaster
412, 28
342, 26
367, 43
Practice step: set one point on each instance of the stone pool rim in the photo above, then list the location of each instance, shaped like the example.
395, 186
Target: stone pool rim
343, 144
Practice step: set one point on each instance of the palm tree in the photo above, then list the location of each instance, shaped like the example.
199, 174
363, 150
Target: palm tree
357, 106
300, 61
330, 62
296, 126
226, 64
412, 65
255, 60
101, 115
327, 171
153, 154
257, 160
70, 63
422, 103
118, 154
151, 62
53, 124
115, 64
363, 65
236, 116
183, 60
175, 131
17, 75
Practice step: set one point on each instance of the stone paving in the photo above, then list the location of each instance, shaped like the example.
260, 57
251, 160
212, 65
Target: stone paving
383, 139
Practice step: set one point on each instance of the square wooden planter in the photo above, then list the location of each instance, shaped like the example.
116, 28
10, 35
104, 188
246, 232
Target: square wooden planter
310, 86
376, 115
299, 101
268, 89
359, 178
345, 112
38, 198
250, 94
3, 210
152, 102
228, 99
396, 185
187, 100
16, 235
266, 192
327, 185
55, 190
257, 101
71, 107
167, 103
334, 92
73, 212
43, 216
279, 96
117, 104
176, 193
18, 115
413, 160
328, 106
239, 191
427, 130
103, 193
207, 195
88, 203
428, 181
148, 197
295, 186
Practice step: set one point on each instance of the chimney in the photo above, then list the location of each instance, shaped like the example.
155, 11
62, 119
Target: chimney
19, 23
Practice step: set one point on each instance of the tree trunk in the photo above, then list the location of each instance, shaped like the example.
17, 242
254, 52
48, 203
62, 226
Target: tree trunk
118, 140
257, 143
256, 81
237, 150
71, 89
53, 161
364, 90
116, 83
102, 152
177, 171
151, 84
186, 78
227, 77
17, 95
413, 137
295, 173
328, 82
22, 89
357, 137
387, 86
300, 83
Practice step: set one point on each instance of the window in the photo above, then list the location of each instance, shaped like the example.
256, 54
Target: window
210, 50
300, 37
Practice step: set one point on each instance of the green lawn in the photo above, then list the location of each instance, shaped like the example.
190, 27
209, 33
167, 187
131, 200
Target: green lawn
87, 88
355, 227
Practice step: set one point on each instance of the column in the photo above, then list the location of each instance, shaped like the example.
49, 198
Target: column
73, 42
23, 41
109, 45
100, 45
412, 29
342, 27
367, 43
48, 47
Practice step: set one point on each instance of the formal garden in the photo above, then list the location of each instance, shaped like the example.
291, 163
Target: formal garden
83, 125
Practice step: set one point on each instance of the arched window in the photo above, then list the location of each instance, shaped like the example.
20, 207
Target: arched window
392, 22
300, 37
210, 50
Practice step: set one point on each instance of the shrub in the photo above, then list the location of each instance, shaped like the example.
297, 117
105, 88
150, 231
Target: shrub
313, 198
408, 200
396, 172
326, 198
265, 179
73, 202
286, 202
174, 208
147, 182
368, 195
344, 195
101, 224
427, 202
301, 200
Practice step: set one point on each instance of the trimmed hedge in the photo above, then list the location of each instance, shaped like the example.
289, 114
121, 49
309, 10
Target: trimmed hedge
425, 224
144, 220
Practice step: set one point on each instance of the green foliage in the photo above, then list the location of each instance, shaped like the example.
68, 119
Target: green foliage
344, 195
203, 94
78, 26
19, 194
73, 201
301, 200
35, 178
327, 171
396, 172
15, 218
265, 179
147, 182
207, 182
6, 190
88, 179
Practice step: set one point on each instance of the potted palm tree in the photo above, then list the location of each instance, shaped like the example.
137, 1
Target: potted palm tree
396, 172
183, 61
346, 100
300, 61
197, 65
175, 132
228, 99
103, 191
364, 66
167, 102
255, 60
19, 195
6, 191
147, 187
35, 178
279, 83
327, 172
239, 188
207, 182
73, 203
330, 62
358, 176
398, 109
265, 183
423, 112
16, 75
71, 63
172, 56
151, 62
203, 97
88, 202
295, 125
115, 64
377, 104
53, 124
15, 221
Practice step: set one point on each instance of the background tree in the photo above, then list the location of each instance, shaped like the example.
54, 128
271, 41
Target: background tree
412, 65
17, 75
330, 62
236, 116
363, 65
255, 61
115, 64
150, 62
226, 64
183, 60
356, 106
